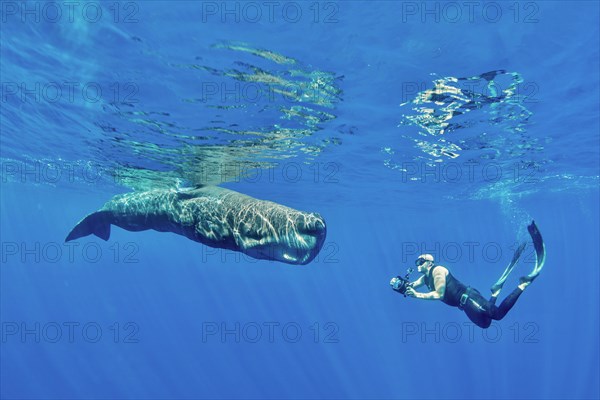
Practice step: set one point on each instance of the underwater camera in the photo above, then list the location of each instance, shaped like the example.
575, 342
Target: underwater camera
400, 283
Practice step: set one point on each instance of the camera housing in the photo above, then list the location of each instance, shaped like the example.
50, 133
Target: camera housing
401, 283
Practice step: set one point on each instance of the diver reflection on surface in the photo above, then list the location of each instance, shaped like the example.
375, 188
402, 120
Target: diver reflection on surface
445, 287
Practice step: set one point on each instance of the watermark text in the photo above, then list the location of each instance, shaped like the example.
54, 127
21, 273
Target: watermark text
269, 332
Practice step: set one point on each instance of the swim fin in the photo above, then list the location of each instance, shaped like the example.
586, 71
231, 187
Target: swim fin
498, 285
540, 252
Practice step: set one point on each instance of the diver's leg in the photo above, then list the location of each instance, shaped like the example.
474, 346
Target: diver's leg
499, 312
478, 309
540, 255
496, 287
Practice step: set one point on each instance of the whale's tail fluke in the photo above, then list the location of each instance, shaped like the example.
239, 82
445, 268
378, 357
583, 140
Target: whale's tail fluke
96, 223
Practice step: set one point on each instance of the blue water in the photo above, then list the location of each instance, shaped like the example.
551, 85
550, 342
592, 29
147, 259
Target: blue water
328, 107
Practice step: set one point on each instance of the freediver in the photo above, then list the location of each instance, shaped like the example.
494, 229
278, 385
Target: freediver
445, 287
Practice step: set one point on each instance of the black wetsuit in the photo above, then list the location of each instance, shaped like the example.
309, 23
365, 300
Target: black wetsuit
478, 309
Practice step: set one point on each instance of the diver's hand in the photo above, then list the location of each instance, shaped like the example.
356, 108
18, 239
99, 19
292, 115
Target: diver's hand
410, 292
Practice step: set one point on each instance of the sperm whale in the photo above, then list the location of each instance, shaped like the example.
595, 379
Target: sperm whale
216, 217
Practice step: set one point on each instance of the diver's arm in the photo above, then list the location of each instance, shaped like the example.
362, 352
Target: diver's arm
424, 296
439, 281
428, 296
419, 282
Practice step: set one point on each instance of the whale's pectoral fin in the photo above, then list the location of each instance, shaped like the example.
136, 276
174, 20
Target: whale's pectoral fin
96, 223
189, 193
185, 195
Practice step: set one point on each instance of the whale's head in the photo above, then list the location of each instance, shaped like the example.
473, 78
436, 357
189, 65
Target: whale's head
289, 236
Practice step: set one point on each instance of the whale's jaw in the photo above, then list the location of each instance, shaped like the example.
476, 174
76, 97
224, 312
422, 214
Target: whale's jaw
297, 246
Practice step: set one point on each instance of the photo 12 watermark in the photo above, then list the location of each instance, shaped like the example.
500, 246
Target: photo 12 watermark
467, 332
69, 92
270, 332
328, 255
69, 12
68, 253
69, 332
289, 172
291, 93
487, 252
452, 172
453, 12
473, 90
54, 172
253, 12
